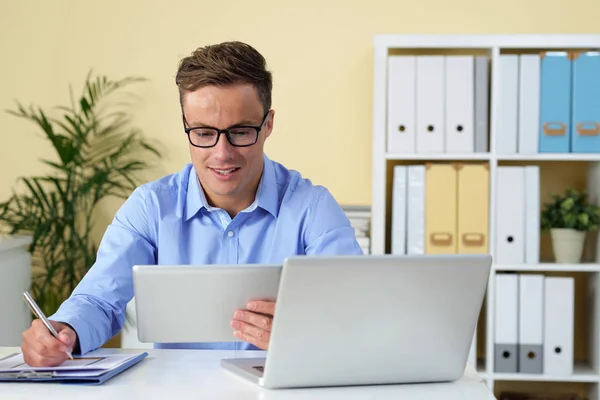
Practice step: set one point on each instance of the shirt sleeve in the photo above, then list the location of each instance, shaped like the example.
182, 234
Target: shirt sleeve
329, 231
96, 308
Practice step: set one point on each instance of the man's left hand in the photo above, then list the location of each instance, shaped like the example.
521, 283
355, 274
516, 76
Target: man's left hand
254, 324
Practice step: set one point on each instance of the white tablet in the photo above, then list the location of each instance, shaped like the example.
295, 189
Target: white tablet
195, 303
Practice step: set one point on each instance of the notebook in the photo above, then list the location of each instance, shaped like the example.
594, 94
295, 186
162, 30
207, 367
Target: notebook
93, 368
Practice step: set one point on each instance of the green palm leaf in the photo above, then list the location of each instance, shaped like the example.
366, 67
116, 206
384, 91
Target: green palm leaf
99, 155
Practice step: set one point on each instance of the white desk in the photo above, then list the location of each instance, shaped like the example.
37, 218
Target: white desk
182, 374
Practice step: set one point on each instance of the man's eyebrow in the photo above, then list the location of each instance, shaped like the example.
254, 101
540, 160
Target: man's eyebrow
197, 124
244, 122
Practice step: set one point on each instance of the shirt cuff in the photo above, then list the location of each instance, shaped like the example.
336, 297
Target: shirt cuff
72, 313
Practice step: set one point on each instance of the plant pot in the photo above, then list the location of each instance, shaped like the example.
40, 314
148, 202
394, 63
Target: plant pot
567, 245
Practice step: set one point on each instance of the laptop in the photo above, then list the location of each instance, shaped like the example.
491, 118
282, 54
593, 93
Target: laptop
367, 320
195, 303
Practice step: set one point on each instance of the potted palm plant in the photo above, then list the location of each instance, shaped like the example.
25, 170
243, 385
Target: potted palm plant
98, 154
568, 217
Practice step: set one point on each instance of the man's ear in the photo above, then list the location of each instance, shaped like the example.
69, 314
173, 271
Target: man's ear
269, 124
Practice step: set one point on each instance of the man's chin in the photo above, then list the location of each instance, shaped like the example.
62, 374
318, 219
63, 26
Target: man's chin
221, 189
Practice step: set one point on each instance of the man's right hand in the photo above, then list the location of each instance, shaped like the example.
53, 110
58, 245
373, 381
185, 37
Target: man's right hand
41, 349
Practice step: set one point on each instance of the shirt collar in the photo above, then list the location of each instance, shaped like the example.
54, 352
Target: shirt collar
267, 195
268, 189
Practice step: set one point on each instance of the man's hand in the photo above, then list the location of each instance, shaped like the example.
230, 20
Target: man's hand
254, 324
41, 349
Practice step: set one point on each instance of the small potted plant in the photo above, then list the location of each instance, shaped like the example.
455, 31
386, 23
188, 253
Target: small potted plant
568, 218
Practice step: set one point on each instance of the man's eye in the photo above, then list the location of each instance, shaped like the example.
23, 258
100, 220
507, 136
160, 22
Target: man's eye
203, 133
241, 132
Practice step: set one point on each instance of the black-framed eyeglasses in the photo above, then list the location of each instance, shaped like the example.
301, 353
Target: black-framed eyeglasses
239, 135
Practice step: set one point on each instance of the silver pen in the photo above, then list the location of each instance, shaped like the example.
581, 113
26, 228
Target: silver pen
38, 312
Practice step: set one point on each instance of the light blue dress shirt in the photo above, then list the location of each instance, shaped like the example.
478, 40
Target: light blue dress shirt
169, 221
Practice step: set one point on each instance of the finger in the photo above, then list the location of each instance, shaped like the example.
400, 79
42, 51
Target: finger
250, 339
63, 337
262, 306
251, 330
49, 345
65, 334
259, 320
36, 360
35, 354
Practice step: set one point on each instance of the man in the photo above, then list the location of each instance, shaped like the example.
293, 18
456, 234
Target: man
231, 205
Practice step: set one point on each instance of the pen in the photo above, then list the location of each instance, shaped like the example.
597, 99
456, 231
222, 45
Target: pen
36, 310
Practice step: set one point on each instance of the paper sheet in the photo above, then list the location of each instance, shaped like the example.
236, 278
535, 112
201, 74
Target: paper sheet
16, 363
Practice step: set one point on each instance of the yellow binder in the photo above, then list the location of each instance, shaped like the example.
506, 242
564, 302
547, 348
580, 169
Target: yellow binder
440, 208
473, 208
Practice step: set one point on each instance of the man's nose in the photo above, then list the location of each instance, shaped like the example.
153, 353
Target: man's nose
223, 149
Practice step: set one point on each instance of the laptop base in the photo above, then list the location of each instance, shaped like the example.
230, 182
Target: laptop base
248, 368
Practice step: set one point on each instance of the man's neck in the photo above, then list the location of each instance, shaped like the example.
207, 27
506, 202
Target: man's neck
232, 205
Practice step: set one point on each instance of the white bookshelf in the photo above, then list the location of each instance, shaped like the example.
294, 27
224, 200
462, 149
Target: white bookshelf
582, 373
548, 267
382, 173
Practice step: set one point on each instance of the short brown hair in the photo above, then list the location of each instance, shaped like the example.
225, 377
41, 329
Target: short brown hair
222, 64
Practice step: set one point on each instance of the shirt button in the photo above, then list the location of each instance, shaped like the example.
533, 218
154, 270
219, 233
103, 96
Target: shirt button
230, 233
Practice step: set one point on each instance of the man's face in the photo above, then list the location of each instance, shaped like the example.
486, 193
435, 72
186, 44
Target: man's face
229, 175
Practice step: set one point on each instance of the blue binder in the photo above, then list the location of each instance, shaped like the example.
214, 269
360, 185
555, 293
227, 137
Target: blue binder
555, 102
585, 136
70, 377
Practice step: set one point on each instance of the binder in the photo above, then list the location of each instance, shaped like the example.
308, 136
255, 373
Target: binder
440, 208
506, 325
14, 369
399, 210
430, 104
585, 134
531, 324
506, 139
532, 214
510, 217
555, 102
401, 136
459, 104
482, 99
473, 208
529, 103
559, 320
416, 210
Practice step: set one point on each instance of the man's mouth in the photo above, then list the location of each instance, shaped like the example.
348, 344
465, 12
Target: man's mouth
225, 171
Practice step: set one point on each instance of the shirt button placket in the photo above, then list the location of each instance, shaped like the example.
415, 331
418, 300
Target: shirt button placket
232, 246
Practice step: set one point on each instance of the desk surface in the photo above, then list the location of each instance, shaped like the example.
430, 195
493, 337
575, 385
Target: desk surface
179, 374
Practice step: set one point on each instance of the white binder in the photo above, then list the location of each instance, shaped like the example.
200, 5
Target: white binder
529, 103
401, 104
460, 104
482, 106
532, 214
510, 217
416, 210
506, 325
531, 323
430, 104
399, 210
559, 319
506, 137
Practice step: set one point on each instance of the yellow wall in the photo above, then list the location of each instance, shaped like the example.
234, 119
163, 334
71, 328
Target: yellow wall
319, 51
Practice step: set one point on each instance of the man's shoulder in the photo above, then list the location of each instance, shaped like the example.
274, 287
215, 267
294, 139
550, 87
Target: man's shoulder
293, 186
167, 186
